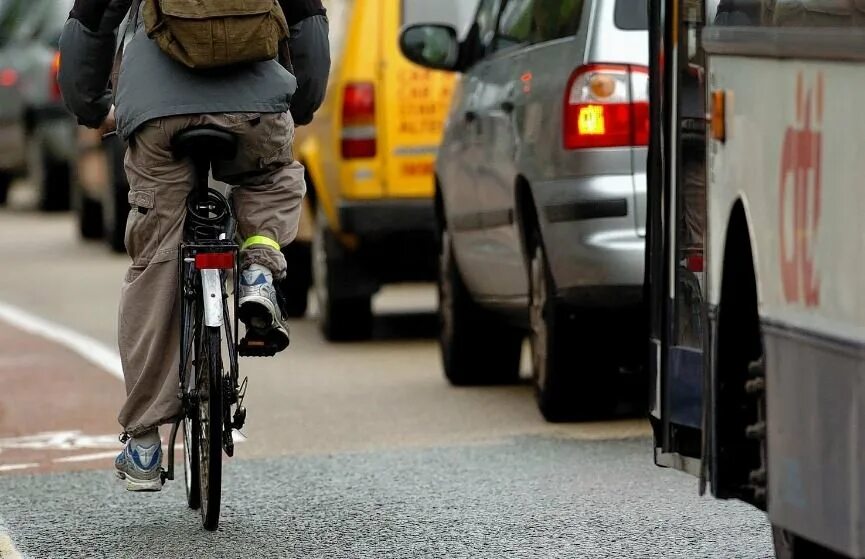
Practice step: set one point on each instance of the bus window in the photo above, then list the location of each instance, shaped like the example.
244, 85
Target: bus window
787, 13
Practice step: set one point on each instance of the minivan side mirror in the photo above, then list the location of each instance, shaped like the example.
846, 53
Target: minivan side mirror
434, 46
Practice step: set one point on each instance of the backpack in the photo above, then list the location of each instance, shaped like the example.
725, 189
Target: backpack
202, 34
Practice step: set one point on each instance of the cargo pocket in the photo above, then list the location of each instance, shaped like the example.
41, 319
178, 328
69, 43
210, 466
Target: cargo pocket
278, 131
142, 229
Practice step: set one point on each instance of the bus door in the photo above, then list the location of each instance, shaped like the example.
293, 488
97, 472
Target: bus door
676, 231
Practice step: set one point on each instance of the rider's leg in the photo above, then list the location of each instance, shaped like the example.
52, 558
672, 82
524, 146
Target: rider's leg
148, 322
269, 190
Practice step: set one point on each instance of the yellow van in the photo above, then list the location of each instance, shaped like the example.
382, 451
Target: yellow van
369, 156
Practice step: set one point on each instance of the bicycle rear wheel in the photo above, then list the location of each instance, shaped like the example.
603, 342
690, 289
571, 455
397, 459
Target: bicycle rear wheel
192, 460
209, 382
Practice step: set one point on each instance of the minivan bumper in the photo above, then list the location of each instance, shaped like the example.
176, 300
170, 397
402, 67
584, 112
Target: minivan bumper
592, 239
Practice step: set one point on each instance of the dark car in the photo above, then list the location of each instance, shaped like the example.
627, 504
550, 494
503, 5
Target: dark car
37, 133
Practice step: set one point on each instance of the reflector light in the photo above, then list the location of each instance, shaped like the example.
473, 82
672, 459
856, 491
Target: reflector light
591, 120
695, 263
358, 121
8, 77
214, 261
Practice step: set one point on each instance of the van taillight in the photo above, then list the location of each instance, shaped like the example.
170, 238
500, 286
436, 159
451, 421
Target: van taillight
607, 105
358, 121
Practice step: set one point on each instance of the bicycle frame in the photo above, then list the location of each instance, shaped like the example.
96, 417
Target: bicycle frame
203, 267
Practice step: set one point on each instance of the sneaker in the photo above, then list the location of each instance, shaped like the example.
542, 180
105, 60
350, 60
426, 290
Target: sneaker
140, 466
260, 311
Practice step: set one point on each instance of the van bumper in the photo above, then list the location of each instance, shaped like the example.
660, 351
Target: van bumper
385, 217
396, 240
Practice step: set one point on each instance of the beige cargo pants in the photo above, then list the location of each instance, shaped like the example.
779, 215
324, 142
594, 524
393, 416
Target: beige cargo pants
269, 188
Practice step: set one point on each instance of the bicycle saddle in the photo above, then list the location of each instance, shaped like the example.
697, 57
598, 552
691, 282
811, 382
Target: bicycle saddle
204, 143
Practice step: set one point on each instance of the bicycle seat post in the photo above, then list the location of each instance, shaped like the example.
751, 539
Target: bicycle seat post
204, 145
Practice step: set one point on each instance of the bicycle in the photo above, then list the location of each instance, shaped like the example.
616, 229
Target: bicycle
208, 259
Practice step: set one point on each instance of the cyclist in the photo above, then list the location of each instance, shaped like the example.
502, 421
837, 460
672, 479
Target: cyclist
156, 97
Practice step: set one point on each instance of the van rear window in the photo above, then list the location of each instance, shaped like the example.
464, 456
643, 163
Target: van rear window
632, 15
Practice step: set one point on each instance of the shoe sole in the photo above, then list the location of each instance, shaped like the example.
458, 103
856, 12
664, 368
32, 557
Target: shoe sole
257, 313
139, 485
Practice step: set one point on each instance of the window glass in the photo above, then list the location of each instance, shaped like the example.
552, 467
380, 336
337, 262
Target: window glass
536, 21
457, 13
787, 13
486, 21
632, 15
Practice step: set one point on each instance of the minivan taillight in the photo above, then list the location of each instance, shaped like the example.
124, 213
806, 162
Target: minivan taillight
607, 105
358, 121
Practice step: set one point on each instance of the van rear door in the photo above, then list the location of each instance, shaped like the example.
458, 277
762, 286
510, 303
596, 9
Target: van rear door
414, 101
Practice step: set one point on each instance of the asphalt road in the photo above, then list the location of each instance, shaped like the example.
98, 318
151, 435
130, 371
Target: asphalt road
355, 450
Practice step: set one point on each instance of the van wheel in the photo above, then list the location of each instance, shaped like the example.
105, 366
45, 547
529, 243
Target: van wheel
295, 287
476, 347
5, 183
342, 316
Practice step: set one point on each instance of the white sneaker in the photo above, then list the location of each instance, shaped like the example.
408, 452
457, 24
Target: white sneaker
260, 311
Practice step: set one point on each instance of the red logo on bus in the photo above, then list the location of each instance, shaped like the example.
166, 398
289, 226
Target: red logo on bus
801, 165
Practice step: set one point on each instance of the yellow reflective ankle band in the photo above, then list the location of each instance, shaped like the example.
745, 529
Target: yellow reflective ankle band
260, 240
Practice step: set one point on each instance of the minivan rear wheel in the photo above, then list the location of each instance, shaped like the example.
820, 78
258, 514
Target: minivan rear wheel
477, 348
565, 379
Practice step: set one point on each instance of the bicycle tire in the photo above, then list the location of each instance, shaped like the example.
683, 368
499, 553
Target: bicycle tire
210, 402
192, 461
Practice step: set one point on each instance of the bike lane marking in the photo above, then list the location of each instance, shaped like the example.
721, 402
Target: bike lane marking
90, 349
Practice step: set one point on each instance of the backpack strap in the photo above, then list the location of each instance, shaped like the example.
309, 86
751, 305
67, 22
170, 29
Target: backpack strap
118, 55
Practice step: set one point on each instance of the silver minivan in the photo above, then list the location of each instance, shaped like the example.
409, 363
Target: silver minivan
541, 195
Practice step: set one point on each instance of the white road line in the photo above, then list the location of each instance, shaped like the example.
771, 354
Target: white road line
13, 467
92, 350
7, 547
86, 457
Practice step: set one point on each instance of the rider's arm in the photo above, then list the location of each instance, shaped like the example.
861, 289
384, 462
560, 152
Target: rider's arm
86, 57
310, 55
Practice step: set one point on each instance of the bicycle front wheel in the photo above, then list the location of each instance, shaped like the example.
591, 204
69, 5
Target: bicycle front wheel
209, 380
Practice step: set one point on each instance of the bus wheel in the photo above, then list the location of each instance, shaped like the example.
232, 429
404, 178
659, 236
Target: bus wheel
791, 546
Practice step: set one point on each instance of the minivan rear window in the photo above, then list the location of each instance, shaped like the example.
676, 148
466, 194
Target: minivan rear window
632, 15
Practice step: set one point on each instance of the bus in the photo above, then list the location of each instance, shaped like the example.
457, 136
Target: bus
755, 258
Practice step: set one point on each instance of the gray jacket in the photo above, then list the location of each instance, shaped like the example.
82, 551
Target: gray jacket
151, 85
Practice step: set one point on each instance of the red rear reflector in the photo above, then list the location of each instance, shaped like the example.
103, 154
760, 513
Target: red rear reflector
358, 121
695, 262
606, 105
356, 149
214, 261
8, 77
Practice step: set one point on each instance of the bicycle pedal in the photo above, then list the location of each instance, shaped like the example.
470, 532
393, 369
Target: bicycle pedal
257, 348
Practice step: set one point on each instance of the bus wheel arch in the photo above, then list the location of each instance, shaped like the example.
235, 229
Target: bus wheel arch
736, 445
